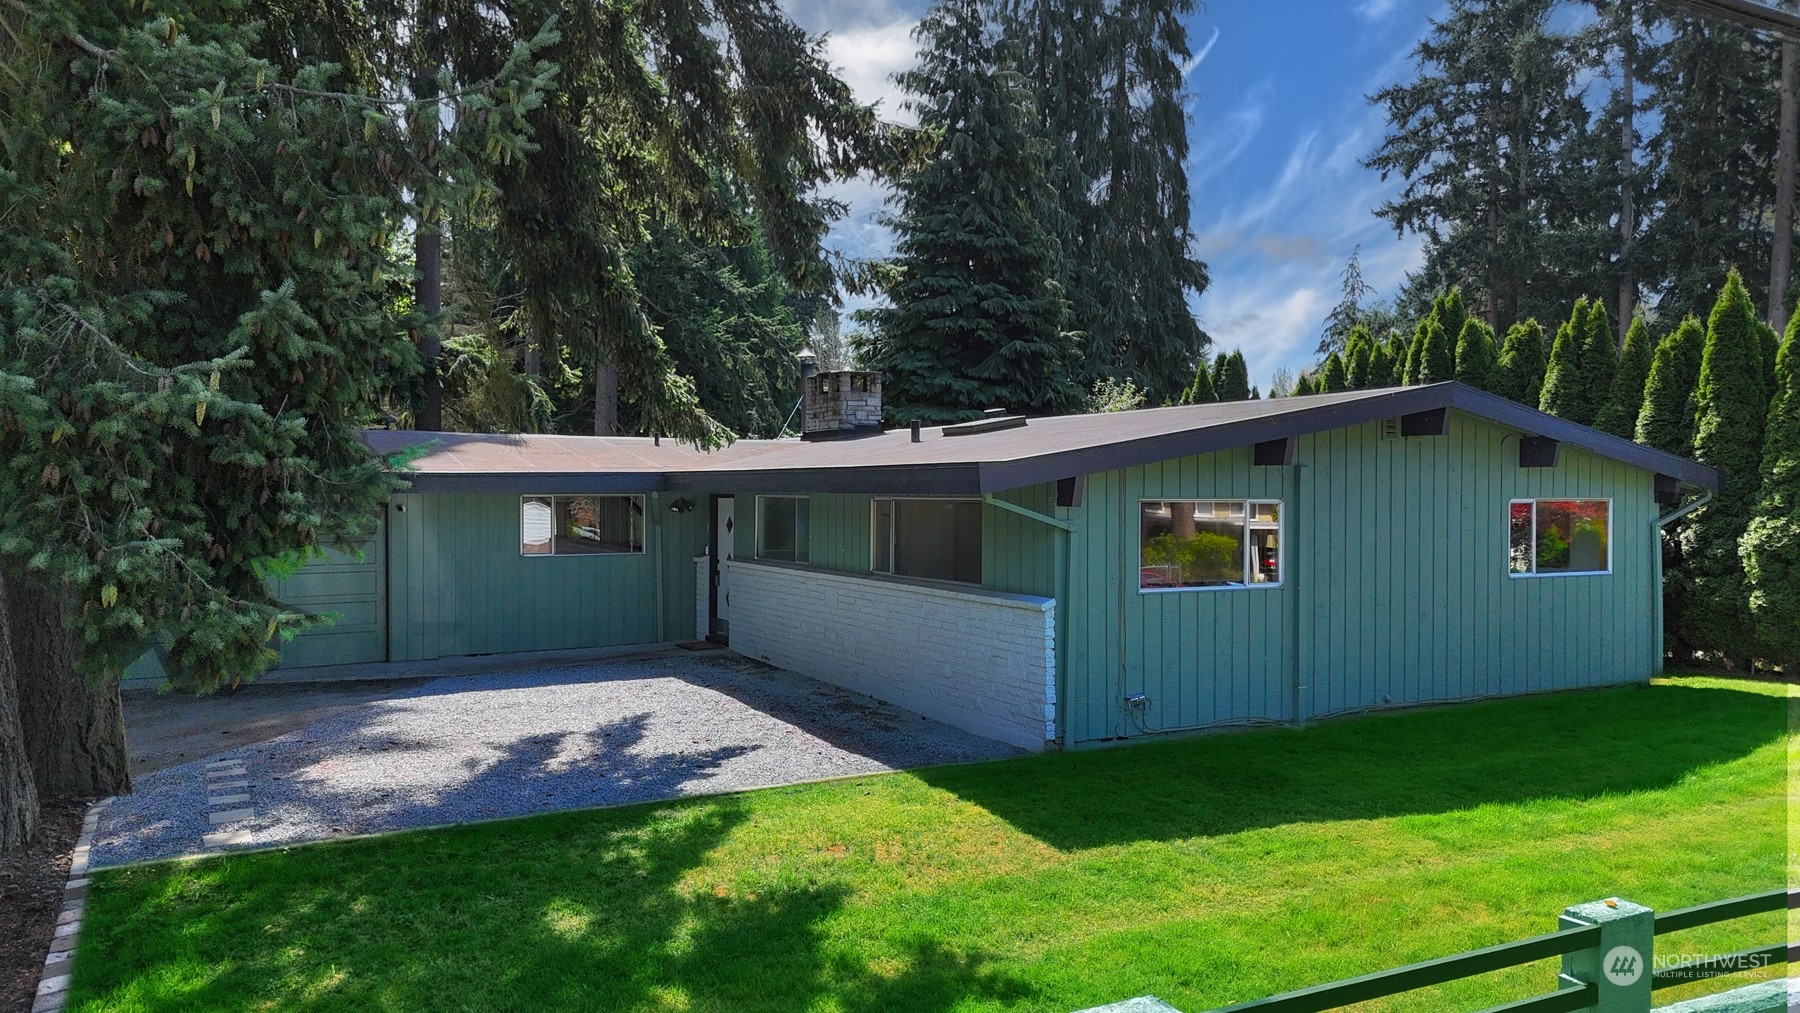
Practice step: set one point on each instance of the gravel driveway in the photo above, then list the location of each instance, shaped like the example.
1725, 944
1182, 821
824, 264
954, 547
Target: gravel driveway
479, 747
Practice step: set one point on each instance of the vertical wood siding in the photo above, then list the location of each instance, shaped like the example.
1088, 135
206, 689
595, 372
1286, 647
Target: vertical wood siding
461, 587
1396, 588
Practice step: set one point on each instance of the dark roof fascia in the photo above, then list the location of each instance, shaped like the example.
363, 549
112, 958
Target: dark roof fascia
527, 483
1003, 475
1508, 412
952, 479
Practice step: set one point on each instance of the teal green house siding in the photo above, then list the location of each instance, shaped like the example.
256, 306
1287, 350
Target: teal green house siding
1396, 588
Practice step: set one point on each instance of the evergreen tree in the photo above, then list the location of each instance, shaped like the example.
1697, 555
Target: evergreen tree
1488, 139
200, 314
1519, 374
1332, 377
1200, 391
1231, 377
976, 316
1396, 349
1476, 355
1666, 419
1619, 415
1771, 544
1359, 360
1599, 357
1451, 315
1109, 89
1730, 410
1715, 87
1347, 315
1415, 350
1566, 391
1770, 343
1435, 357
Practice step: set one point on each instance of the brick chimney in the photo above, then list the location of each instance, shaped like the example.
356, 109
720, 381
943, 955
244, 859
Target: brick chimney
841, 403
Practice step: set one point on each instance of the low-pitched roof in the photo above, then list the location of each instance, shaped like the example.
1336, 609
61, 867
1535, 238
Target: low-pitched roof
1044, 450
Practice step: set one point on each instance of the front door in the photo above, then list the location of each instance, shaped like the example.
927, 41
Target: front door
724, 540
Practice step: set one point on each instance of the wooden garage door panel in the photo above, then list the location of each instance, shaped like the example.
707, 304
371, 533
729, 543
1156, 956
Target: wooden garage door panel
351, 588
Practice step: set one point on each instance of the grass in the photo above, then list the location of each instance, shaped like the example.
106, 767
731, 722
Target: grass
1207, 871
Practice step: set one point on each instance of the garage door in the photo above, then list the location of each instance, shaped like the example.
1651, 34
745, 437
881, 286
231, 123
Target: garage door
350, 585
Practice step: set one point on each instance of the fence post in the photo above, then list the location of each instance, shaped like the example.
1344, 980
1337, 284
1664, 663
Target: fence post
1620, 964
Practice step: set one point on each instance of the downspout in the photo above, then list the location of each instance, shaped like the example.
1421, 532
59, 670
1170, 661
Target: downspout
1062, 600
1656, 556
1302, 643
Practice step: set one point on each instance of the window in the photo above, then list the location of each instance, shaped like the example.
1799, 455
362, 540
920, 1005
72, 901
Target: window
937, 539
580, 525
1554, 537
1209, 543
782, 524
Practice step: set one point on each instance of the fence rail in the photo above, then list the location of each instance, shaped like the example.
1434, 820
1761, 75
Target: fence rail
1580, 948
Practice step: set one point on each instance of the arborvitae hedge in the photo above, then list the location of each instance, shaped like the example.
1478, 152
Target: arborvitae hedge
1476, 355
1730, 411
1519, 374
1566, 393
1619, 414
1666, 419
1771, 545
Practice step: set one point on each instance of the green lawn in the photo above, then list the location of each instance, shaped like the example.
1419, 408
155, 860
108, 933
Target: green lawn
1208, 871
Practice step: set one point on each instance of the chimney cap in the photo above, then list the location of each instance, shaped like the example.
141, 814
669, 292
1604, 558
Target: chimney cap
806, 354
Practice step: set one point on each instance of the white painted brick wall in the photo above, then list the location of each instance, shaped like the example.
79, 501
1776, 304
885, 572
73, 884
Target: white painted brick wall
980, 660
702, 597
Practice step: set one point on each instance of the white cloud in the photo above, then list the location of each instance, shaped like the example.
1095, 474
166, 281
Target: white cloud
1375, 10
867, 58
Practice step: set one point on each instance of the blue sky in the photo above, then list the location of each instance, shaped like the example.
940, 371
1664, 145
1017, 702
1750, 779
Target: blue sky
1278, 127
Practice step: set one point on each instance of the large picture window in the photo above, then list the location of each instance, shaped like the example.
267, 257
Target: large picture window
580, 525
937, 539
782, 528
1209, 543
1555, 537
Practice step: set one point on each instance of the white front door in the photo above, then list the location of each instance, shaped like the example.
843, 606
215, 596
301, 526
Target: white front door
724, 541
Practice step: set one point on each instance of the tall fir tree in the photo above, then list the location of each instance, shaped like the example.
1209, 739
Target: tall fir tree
1519, 374
1347, 315
1109, 85
1771, 544
1567, 393
975, 319
1666, 418
1476, 355
1231, 376
1730, 410
1716, 89
201, 313
1489, 140
1625, 399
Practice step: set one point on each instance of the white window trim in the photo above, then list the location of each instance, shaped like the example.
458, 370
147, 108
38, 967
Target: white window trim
1247, 585
643, 511
873, 500
1534, 501
756, 532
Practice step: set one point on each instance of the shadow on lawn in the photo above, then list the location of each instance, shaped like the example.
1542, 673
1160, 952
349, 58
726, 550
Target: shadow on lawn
1566, 745
565, 912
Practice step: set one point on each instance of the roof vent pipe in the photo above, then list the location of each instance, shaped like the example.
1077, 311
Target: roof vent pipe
916, 424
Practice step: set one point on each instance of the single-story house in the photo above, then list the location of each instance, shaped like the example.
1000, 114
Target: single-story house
1058, 581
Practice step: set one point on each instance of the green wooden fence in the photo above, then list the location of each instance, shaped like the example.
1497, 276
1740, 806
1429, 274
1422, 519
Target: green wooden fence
1608, 955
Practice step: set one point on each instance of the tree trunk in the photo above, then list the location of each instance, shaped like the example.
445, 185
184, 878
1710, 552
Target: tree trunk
428, 256
1627, 166
1781, 257
74, 729
606, 399
18, 789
